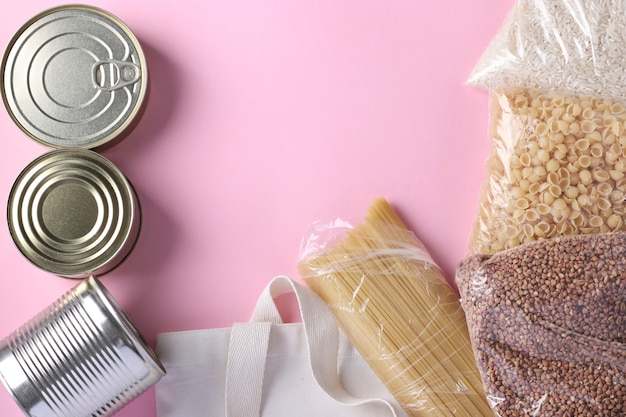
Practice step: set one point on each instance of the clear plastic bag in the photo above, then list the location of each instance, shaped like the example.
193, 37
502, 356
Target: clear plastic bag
555, 71
548, 325
395, 306
578, 46
557, 167
544, 291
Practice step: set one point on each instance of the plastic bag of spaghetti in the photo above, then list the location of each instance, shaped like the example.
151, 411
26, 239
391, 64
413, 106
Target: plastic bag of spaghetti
548, 324
556, 167
577, 46
395, 306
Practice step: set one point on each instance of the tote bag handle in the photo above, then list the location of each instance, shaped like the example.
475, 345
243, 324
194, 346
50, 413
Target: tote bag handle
248, 351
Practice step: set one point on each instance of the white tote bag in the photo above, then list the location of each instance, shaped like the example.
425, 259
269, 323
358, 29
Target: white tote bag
268, 368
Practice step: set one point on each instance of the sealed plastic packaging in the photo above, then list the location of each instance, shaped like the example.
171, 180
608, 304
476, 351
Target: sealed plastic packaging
548, 325
543, 290
557, 167
555, 71
395, 306
577, 46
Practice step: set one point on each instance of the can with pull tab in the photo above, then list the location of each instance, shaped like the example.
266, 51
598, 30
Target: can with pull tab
74, 76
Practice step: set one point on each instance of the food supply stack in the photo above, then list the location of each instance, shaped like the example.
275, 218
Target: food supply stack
74, 78
544, 285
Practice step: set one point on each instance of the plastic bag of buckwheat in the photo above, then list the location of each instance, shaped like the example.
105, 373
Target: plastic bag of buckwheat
547, 322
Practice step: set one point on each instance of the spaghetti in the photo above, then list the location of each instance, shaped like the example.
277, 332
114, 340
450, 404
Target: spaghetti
393, 303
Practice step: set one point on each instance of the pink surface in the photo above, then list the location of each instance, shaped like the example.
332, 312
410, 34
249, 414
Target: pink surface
265, 116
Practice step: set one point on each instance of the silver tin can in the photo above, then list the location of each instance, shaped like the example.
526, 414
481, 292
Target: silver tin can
82, 356
73, 213
74, 76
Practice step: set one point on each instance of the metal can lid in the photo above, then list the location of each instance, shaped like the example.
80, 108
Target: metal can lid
74, 76
73, 213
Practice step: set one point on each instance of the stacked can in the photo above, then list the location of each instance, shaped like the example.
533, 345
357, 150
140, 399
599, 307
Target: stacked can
75, 78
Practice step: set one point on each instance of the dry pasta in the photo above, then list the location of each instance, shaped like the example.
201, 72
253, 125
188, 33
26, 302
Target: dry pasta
394, 305
556, 168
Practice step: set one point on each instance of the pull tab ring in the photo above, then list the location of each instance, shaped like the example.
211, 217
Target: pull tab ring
124, 74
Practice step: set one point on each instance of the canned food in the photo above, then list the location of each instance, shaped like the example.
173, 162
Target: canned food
74, 76
82, 356
73, 213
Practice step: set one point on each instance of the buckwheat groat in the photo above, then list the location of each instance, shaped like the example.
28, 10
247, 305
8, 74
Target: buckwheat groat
548, 325
557, 167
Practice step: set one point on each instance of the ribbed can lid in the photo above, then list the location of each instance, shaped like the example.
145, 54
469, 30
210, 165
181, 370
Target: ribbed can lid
74, 76
73, 213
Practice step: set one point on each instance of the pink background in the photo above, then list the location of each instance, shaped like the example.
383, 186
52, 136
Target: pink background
265, 116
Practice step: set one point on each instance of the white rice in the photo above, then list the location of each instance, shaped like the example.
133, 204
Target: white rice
575, 46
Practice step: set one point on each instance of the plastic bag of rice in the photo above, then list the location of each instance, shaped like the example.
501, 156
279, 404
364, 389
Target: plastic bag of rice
578, 46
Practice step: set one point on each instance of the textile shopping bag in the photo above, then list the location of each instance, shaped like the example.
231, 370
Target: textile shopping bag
270, 368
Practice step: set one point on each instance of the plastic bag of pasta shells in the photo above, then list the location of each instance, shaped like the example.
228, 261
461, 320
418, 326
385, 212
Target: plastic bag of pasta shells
547, 322
557, 167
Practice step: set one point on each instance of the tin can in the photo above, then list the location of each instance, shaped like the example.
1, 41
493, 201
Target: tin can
82, 356
73, 213
74, 76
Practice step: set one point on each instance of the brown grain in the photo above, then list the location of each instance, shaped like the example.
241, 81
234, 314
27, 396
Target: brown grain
548, 325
